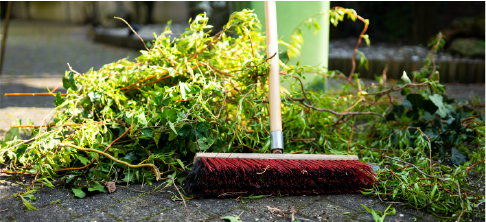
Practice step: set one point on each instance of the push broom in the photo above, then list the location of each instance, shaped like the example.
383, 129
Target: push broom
214, 174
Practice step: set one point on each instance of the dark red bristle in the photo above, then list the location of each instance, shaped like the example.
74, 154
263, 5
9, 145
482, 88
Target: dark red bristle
216, 176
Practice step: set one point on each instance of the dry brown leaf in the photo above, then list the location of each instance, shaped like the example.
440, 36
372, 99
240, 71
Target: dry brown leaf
110, 186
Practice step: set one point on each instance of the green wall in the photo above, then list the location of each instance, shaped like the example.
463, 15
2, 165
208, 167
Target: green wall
315, 49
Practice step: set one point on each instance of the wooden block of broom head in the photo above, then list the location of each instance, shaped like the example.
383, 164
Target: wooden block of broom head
274, 156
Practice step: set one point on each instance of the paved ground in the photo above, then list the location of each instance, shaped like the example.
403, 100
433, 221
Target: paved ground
36, 58
137, 203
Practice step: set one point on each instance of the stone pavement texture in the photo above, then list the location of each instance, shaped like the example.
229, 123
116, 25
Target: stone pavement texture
36, 57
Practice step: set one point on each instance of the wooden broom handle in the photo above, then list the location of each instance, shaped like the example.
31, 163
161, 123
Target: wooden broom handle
273, 77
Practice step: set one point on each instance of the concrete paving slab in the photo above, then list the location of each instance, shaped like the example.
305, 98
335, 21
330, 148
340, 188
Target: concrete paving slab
46, 195
245, 215
8, 188
281, 203
134, 210
324, 209
301, 201
162, 199
48, 213
402, 213
403, 208
88, 204
98, 216
11, 206
215, 206
352, 201
178, 213
123, 193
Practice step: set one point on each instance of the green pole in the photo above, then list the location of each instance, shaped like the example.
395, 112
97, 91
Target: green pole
315, 49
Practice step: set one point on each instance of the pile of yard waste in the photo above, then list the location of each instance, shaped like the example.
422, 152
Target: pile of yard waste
145, 120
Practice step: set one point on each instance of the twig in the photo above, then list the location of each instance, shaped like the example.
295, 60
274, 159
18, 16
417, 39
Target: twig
3, 210
91, 163
114, 141
303, 140
471, 166
134, 32
195, 134
396, 176
157, 80
439, 37
359, 39
350, 137
217, 70
251, 41
26, 126
33, 94
24, 142
264, 169
160, 79
156, 170
301, 85
231, 194
343, 113
72, 70
182, 197
413, 166
430, 144
462, 201
38, 172
470, 118
399, 88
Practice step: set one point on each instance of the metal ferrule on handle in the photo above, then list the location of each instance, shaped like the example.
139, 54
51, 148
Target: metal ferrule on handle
276, 135
276, 140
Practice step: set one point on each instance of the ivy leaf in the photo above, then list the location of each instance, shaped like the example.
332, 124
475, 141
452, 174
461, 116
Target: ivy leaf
83, 160
97, 187
20, 150
141, 119
65, 83
157, 138
94, 96
132, 156
398, 110
172, 135
419, 102
362, 60
404, 79
78, 192
12, 134
172, 127
147, 132
457, 157
58, 100
169, 115
69, 82
72, 83
438, 101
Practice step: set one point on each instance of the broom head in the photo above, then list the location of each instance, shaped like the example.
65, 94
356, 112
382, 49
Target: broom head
223, 174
